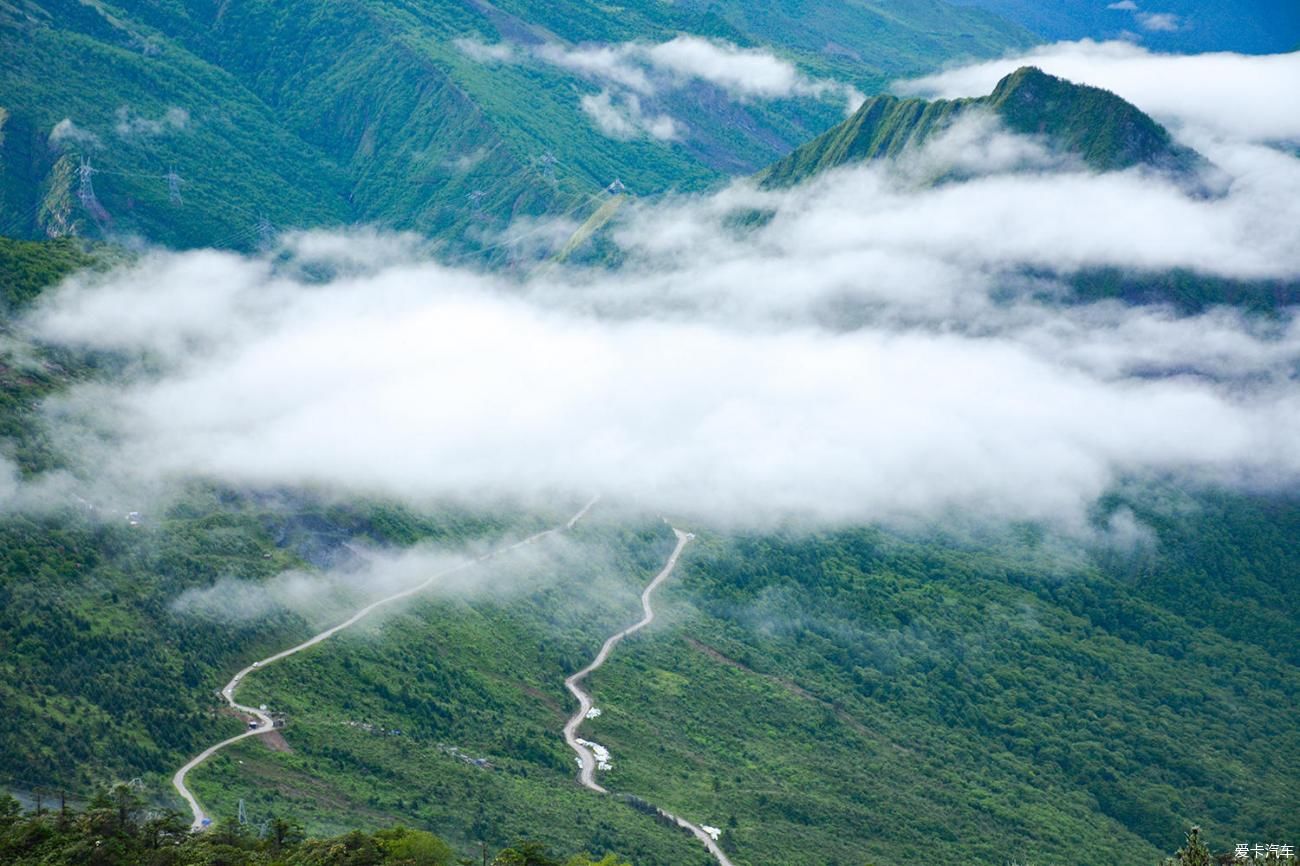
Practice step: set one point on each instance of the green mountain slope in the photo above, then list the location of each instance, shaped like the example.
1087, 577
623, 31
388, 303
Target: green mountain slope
293, 114
1104, 131
852, 694
848, 694
115, 81
117, 830
28, 267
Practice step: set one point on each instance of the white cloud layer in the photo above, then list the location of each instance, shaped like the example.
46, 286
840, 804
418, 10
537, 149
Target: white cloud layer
68, 131
745, 72
874, 350
476, 49
621, 116
1159, 22
128, 125
631, 72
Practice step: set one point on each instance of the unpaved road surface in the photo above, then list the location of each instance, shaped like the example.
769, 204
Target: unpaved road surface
263, 720
586, 758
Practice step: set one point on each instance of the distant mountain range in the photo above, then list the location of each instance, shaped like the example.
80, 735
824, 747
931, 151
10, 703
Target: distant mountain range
1247, 26
843, 694
216, 123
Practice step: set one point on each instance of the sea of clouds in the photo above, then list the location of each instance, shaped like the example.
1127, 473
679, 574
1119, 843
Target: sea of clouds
873, 348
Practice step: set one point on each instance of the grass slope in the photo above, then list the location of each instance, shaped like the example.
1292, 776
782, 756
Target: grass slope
857, 692
833, 697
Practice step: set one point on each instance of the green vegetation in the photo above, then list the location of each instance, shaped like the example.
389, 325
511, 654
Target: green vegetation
115, 80
307, 115
28, 267
857, 694
116, 829
1104, 131
453, 718
993, 700
1107, 132
822, 697
29, 373
95, 657
1185, 289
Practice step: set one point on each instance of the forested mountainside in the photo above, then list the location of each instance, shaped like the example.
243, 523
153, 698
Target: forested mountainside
116, 829
1104, 131
215, 123
951, 437
1096, 128
820, 697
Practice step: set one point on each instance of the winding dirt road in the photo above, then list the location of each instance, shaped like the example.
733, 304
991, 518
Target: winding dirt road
586, 757
263, 720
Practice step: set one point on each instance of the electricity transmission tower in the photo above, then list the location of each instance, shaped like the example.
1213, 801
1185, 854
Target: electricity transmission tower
549, 162
174, 186
265, 232
476, 205
86, 186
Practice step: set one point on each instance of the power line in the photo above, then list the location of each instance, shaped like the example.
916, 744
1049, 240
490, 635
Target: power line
265, 232
21, 219
475, 199
511, 241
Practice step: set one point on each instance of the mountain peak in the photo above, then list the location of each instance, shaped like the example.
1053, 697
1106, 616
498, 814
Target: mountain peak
1106, 131
1102, 129
1027, 77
